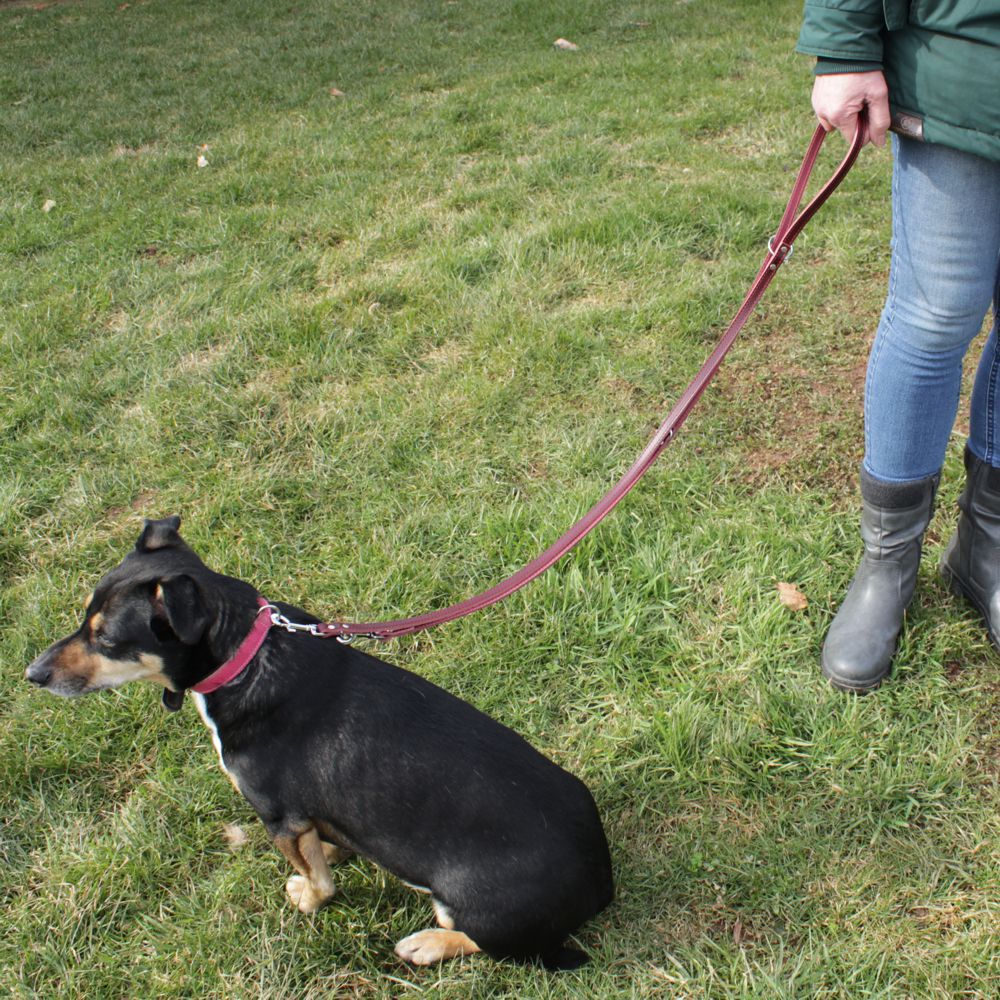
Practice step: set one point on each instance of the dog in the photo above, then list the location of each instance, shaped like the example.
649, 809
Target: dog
339, 752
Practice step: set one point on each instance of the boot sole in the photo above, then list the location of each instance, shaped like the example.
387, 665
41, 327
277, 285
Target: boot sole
842, 685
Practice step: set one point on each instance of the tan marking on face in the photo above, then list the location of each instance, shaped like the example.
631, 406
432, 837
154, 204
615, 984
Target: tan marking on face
74, 659
113, 673
77, 660
96, 623
88, 601
159, 602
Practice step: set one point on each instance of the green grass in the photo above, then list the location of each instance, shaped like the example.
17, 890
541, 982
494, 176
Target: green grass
379, 352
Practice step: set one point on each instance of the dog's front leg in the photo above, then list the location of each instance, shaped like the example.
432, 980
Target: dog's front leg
313, 887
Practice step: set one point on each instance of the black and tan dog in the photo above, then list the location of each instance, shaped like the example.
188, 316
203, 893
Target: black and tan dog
338, 752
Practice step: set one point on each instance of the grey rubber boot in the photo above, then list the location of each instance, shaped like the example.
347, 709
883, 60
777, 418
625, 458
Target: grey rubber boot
857, 654
971, 560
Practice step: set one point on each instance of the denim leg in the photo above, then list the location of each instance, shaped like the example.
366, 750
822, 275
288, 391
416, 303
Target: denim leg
984, 416
943, 273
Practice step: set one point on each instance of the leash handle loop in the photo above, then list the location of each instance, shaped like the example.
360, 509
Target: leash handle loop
780, 246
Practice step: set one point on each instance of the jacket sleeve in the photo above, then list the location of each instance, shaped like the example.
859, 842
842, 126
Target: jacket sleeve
844, 32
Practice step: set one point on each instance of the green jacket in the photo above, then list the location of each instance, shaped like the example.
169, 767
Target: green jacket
941, 60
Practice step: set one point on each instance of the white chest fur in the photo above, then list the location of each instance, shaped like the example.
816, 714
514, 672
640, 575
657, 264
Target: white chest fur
199, 703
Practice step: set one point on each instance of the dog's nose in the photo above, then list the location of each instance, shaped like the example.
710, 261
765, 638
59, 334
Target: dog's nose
39, 672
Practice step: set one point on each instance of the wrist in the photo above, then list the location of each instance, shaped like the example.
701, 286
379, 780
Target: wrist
829, 67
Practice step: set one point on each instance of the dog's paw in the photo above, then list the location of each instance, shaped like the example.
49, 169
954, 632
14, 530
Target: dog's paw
303, 896
432, 946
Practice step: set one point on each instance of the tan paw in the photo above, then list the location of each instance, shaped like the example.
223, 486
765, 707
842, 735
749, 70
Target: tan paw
429, 947
303, 896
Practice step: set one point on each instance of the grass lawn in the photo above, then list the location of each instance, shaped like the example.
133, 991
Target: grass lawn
427, 296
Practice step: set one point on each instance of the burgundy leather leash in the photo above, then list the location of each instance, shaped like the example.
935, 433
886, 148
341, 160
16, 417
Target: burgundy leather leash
779, 248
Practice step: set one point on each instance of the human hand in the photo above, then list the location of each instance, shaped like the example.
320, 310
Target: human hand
838, 97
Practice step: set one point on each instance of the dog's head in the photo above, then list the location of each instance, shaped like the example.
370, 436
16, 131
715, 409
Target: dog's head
145, 620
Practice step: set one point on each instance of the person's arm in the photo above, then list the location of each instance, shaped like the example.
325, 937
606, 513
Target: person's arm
846, 38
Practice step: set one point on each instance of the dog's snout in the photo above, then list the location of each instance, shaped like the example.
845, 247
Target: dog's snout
39, 672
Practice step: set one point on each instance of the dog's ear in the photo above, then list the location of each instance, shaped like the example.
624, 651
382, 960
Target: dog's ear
159, 534
179, 603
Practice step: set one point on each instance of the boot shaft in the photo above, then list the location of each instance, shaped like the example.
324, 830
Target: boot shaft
894, 516
972, 557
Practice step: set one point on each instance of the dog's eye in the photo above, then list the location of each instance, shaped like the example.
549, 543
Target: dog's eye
103, 640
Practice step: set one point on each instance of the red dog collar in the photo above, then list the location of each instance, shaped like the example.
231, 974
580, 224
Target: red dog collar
236, 664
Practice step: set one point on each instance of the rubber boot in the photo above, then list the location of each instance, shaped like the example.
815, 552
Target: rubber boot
857, 654
971, 560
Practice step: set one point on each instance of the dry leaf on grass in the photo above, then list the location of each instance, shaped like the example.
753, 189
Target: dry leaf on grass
792, 597
334, 92
48, 206
202, 162
566, 46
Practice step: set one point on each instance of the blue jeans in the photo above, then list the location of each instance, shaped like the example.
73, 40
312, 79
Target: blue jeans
945, 269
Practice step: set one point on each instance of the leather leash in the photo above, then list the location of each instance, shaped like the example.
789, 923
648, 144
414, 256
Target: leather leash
779, 249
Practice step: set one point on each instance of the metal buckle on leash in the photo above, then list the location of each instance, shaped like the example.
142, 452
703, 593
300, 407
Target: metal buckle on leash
347, 638
279, 620
787, 247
